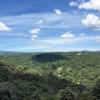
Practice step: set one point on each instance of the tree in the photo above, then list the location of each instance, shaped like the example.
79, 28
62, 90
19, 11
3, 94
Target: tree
96, 89
66, 94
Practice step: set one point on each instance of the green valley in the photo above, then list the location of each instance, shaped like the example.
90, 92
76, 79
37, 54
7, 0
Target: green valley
50, 76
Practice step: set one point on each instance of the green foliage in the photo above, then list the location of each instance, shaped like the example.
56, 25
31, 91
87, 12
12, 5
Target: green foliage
50, 76
96, 89
65, 94
85, 95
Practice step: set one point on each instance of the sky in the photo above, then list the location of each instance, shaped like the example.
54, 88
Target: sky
49, 25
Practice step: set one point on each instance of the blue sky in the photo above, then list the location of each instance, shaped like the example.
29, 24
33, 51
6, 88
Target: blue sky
49, 25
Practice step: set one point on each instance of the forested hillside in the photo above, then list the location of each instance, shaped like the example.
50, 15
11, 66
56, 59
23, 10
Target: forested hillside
50, 76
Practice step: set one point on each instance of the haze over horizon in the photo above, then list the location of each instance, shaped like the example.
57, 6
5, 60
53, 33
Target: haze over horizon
49, 25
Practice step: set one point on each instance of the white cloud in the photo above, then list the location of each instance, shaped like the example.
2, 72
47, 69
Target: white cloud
91, 20
39, 22
73, 3
67, 36
34, 37
97, 38
58, 11
3, 27
50, 20
91, 4
35, 31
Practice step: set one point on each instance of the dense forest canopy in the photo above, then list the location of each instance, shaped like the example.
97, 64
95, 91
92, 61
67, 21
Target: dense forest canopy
50, 76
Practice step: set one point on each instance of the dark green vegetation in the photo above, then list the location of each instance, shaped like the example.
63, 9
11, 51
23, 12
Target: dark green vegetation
50, 76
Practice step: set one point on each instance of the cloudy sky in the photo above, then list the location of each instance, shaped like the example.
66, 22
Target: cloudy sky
49, 25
